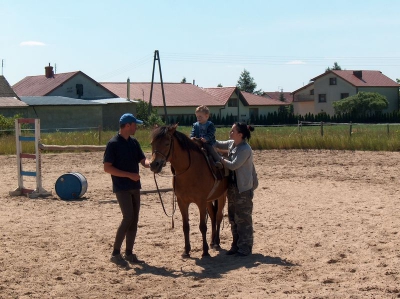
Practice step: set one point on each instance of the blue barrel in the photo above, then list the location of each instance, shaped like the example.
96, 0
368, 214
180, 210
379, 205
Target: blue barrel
71, 185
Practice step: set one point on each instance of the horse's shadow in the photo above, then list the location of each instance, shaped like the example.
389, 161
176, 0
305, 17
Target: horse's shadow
214, 267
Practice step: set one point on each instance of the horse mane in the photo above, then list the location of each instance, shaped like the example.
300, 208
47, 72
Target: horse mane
184, 141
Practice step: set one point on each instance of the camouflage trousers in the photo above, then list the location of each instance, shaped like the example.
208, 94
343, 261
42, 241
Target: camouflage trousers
240, 210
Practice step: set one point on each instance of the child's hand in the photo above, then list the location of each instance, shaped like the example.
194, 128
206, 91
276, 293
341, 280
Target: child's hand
203, 140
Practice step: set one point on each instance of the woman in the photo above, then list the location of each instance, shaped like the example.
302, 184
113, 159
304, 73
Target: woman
240, 190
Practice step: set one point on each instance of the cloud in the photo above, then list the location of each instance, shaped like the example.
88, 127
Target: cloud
296, 62
32, 44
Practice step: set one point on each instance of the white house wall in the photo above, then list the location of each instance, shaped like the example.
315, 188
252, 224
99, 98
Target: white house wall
333, 92
91, 89
303, 102
303, 108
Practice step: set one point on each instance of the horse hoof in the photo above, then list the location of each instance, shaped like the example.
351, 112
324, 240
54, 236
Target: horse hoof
205, 254
185, 255
217, 247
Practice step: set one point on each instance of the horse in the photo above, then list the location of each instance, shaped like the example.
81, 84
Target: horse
193, 182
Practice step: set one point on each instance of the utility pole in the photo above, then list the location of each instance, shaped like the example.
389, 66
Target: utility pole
157, 57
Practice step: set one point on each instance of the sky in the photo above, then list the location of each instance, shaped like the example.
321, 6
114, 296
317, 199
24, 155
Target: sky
282, 44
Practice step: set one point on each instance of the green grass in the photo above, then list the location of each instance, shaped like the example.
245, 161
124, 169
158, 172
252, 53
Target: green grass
335, 137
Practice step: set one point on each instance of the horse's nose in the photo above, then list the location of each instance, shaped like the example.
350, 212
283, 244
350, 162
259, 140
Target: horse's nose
156, 166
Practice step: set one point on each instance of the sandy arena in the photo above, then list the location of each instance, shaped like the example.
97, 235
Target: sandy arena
327, 225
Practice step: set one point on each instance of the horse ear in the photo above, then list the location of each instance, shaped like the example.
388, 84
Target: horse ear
172, 128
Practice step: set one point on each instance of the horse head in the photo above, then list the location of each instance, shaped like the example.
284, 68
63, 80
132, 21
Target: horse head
161, 146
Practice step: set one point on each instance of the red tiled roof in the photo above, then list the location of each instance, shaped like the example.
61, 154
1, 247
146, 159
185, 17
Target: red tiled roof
256, 100
368, 78
222, 94
277, 94
41, 85
176, 94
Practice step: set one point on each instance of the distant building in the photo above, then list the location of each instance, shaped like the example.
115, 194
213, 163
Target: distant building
334, 85
10, 103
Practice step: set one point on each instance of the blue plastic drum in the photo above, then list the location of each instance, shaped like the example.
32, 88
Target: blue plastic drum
71, 185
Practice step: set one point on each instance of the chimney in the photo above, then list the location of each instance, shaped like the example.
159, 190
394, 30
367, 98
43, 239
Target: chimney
194, 82
49, 71
358, 74
128, 89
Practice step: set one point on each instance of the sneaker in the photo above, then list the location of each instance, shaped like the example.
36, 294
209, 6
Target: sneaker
118, 260
132, 258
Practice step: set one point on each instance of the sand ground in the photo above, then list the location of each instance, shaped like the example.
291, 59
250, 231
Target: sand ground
326, 225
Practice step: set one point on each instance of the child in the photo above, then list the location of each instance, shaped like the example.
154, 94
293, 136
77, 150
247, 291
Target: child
205, 131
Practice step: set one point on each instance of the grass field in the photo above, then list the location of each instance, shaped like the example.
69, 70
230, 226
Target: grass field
332, 137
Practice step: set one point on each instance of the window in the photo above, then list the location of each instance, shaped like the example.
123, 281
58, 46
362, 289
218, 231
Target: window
344, 95
79, 90
322, 98
312, 92
233, 102
332, 81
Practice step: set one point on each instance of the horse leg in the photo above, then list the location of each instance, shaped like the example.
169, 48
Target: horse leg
184, 208
203, 228
212, 213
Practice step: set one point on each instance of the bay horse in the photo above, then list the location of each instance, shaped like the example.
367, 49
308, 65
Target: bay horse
193, 181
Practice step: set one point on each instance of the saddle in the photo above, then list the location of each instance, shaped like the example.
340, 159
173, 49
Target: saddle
217, 173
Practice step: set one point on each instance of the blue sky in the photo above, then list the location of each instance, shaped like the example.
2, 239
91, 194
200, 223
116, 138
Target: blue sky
283, 44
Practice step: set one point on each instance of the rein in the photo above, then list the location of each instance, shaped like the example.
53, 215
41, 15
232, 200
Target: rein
174, 175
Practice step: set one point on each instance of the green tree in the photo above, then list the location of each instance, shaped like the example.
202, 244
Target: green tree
7, 124
219, 85
246, 83
361, 104
149, 119
183, 80
336, 67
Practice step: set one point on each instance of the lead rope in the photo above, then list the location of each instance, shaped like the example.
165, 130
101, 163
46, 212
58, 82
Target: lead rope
162, 202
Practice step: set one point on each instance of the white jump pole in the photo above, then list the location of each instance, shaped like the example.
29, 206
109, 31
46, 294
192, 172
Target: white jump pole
21, 190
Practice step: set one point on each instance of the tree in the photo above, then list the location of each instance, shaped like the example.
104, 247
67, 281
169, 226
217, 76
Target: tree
336, 67
183, 80
361, 104
219, 85
149, 119
282, 109
246, 83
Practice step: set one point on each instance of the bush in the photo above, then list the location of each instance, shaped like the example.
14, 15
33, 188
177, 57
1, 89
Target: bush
7, 124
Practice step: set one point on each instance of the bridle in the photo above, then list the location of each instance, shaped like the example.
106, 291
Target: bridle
171, 144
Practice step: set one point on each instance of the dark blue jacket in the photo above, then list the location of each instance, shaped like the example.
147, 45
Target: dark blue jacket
209, 133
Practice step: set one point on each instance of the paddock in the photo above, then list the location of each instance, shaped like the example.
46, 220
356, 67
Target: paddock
326, 224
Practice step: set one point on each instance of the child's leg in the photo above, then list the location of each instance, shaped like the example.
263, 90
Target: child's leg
211, 151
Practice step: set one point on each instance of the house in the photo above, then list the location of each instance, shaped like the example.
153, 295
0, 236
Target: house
71, 85
10, 103
181, 99
244, 105
71, 100
334, 85
276, 95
